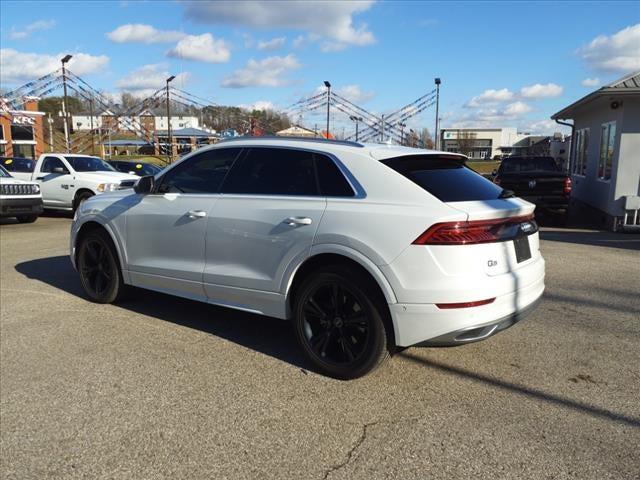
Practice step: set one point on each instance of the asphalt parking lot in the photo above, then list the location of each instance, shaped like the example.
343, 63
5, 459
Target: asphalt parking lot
160, 387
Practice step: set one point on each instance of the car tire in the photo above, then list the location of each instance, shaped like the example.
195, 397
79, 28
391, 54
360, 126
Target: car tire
80, 197
99, 268
338, 322
27, 218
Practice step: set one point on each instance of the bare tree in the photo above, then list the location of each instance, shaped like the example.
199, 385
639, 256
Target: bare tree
466, 141
426, 139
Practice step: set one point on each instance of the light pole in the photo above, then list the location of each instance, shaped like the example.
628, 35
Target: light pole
402, 125
382, 130
64, 60
328, 85
437, 135
353, 118
170, 151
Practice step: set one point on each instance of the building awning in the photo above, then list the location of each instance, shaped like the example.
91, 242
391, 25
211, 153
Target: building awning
127, 143
627, 85
186, 132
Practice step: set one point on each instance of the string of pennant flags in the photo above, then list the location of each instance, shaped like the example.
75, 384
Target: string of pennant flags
373, 126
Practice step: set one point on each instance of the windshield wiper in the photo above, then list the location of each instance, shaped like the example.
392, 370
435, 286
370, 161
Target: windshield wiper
507, 193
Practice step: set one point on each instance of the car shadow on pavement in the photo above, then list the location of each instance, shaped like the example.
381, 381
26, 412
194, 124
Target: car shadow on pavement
627, 241
530, 392
270, 336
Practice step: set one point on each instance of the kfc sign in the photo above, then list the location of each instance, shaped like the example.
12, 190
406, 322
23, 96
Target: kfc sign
23, 120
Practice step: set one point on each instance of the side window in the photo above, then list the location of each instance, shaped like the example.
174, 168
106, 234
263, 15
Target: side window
273, 171
331, 180
580, 152
50, 163
202, 173
25, 165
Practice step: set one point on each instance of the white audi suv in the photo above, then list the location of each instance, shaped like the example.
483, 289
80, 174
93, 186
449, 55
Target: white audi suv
366, 248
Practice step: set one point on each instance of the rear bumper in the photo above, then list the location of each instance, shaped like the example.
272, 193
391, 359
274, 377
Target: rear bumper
428, 325
480, 332
11, 207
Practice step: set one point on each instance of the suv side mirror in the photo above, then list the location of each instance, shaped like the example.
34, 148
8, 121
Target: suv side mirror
60, 170
145, 185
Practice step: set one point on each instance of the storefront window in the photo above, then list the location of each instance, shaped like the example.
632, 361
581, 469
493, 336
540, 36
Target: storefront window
24, 151
579, 166
607, 142
22, 132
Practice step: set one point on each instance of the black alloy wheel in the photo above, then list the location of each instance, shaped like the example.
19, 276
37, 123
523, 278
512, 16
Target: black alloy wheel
338, 324
98, 266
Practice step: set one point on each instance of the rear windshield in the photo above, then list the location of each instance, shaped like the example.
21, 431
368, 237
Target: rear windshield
532, 164
89, 164
447, 179
24, 165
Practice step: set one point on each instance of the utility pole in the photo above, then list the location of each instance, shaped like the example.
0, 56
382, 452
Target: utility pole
328, 85
402, 125
356, 119
50, 122
64, 60
93, 142
437, 134
382, 130
169, 140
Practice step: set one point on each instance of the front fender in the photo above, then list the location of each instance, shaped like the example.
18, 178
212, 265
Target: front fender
114, 229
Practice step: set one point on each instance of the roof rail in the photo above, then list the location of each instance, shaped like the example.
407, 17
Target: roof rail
297, 139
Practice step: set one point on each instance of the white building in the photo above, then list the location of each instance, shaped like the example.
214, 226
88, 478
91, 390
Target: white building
479, 143
107, 119
605, 158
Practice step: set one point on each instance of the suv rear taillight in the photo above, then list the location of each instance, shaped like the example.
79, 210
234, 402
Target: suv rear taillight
568, 185
477, 231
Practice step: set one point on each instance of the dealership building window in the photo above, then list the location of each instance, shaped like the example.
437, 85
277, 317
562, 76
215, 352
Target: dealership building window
580, 152
607, 143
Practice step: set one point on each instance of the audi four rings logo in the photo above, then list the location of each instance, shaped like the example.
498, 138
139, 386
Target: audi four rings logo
532, 183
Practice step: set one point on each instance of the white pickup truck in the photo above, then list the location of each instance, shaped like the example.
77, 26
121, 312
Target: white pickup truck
66, 179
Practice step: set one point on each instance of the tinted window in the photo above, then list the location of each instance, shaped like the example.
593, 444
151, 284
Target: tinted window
530, 164
25, 165
331, 180
89, 164
447, 179
21, 132
202, 173
117, 165
3, 172
50, 163
273, 171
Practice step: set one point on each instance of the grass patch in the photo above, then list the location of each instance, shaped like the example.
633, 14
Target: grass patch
485, 167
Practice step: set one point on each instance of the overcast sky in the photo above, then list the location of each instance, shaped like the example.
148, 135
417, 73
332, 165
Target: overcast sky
502, 64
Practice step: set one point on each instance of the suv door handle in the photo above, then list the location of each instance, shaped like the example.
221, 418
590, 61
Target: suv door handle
293, 221
196, 214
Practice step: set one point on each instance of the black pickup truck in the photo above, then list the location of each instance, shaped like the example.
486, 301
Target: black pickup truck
538, 180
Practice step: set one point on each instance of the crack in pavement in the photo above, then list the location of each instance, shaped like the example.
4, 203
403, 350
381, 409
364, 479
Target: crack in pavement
351, 451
